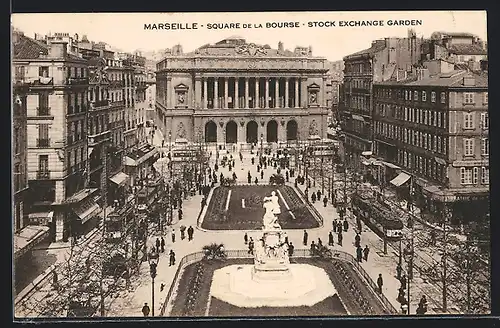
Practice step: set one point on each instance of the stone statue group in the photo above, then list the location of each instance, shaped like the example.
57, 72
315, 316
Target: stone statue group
272, 207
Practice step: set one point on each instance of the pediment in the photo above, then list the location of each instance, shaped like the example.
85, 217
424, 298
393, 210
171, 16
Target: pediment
313, 86
181, 87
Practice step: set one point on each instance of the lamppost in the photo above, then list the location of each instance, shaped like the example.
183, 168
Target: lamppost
153, 260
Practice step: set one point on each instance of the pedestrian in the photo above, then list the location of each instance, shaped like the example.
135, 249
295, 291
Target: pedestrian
249, 178
162, 244
173, 235
380, 283
318, 195
190, 233
230, 167
216, 167
145, 310
339, 226
335, 225
399, 269
304, 239
250, 246
245, 238
359, 254
401, 295
313, 198
345, 225
366, 251
262, 175
403, 281
163, 143
325, 201
158, 243
241, 157
179, 212
404, 307
256, 180
320, 242
422, 305
357, 240
290, 249
286, 240
253, 161
330, 239
313, 248
340, 238
172, 258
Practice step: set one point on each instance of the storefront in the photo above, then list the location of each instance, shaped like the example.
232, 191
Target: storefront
82, 213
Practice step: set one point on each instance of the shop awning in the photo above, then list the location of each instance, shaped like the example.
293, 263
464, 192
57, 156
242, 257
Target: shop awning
86, 210
27, 238
128, 161
120, 178
390, 165
400, 179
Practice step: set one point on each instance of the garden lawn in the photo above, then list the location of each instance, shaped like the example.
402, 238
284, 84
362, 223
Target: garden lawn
340, 304
250, 216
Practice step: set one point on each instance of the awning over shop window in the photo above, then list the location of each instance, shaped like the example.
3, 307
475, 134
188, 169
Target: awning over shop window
358, 117
390, 165
27, 238
120, 178
86, 210
400, 179
141, 157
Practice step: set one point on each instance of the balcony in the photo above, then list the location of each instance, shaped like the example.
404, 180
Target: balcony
43, 175
119, 103
99, 104
43, 111
43, 143
43, 82
95, 140
77, 80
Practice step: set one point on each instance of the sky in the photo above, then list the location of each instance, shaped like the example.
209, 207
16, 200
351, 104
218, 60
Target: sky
126, 32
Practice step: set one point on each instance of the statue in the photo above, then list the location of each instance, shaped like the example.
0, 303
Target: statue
272, 208
181, 131
181, 97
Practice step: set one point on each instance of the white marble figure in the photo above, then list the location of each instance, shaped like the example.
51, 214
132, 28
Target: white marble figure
270, 219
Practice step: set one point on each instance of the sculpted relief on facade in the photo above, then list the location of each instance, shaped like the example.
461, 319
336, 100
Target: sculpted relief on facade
251, 49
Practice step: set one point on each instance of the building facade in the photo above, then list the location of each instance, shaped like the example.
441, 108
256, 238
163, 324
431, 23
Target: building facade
385, 59
240, 93
435, 128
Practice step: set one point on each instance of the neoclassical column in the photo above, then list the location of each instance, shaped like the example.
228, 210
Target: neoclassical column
205, 92
296, 92
266, 101
256, 101
216, 92
277, 92
303, 92
197, 90
323, 92
226, 92
286, 92
247, 105
169, 93
236, 89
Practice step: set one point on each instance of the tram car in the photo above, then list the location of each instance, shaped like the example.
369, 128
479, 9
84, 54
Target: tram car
378, 217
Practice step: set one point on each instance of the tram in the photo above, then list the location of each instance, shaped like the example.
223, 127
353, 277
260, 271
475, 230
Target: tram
378, 217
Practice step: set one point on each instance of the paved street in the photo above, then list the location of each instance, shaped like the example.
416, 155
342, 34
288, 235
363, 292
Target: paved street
129, 303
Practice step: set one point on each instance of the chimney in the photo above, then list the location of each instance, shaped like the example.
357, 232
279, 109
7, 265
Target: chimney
58, 49
280, 46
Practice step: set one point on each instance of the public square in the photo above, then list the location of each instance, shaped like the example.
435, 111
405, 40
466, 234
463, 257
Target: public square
237, 179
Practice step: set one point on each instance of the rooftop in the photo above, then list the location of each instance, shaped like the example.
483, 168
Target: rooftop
28, 48
467, 49
377, 46
453, 79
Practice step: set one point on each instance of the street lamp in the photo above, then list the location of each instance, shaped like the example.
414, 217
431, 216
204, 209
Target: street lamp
153, 259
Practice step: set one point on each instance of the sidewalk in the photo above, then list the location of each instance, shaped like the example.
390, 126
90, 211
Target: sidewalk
130, 304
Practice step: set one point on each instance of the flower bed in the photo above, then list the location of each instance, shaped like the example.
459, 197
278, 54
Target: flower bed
353, 297
250, 216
